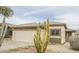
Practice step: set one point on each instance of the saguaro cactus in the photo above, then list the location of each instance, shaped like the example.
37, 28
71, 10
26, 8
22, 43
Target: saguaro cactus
41, 42
3, 32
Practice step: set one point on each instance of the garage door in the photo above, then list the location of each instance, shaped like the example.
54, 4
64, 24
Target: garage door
26, 36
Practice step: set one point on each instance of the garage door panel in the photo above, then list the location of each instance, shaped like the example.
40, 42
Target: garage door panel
27, 36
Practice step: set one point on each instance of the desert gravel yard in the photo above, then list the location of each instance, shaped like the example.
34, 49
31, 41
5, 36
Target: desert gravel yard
22, 47
61, 49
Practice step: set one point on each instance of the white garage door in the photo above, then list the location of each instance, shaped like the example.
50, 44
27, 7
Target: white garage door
22, 35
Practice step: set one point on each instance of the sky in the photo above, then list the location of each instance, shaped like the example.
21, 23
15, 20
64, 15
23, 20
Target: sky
29, 14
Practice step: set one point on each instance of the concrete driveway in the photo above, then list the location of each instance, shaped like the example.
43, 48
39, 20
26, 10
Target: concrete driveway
14, 45
7, 45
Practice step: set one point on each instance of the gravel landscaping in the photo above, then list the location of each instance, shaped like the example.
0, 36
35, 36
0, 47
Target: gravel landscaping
23, 47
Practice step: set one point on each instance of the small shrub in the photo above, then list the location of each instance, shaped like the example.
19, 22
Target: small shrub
74, 41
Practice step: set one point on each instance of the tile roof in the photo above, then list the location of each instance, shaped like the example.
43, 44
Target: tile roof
35, 24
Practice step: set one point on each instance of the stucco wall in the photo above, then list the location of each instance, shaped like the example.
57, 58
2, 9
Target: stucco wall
28, 35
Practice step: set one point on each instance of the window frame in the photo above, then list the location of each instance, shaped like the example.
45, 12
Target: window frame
55, 32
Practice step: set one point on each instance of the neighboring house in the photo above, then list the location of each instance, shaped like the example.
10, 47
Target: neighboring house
59, 33
25, 32
69, 32
9, 31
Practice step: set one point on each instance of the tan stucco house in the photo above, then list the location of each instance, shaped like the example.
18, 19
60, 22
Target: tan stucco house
59, 33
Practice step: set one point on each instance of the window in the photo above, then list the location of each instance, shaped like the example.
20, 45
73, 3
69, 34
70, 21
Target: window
56, 32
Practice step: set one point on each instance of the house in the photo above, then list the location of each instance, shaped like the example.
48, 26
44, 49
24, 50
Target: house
59, 33
69, 32
9, 31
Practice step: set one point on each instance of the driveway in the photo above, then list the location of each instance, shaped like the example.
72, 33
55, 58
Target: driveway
23, 47
7, 45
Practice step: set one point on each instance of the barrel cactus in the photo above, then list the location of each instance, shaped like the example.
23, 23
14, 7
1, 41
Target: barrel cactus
41, 42
74, 41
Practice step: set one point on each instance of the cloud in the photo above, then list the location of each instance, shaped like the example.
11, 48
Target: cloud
15, 20
18, 20
68, 15
37, 11
72, 20
33, 12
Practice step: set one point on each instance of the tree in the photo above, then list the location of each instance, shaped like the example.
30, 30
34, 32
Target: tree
6, 12
42, 42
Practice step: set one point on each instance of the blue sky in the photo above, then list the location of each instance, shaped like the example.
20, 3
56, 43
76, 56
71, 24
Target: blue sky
28, 14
